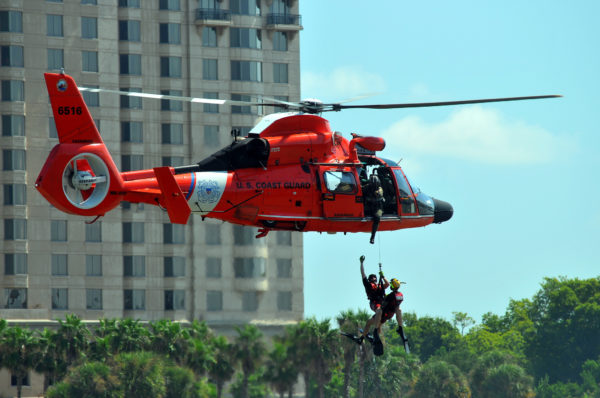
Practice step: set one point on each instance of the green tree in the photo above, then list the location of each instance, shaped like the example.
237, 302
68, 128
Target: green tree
141, 375
72, 338
49, 360
462, 320
428, 335
393, 374
221, 370
440, 379
281, 371
351, 322
18, 348
128, 335
180, 382
248, 350
89, 380
507, 381
170, 339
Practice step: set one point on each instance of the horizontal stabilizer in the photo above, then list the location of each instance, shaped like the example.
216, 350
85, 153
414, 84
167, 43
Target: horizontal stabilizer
173, 198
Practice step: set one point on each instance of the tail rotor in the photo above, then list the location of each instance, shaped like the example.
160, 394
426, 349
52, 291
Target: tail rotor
85, 180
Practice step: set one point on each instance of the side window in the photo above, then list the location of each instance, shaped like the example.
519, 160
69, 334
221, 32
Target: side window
340, 181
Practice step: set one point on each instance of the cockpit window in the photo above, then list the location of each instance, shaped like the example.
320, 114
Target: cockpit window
403, 186
340, 181
407, 201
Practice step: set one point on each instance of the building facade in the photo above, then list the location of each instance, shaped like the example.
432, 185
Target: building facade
133, 262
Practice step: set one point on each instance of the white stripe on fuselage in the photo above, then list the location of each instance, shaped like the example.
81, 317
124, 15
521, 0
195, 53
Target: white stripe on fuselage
208, 190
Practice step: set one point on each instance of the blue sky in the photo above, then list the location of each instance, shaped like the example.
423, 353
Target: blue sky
521, 176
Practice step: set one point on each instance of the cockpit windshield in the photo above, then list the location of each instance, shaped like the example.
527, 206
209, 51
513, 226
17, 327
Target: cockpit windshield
407, 201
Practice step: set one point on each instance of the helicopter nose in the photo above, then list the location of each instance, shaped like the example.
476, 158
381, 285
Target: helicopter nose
442, 211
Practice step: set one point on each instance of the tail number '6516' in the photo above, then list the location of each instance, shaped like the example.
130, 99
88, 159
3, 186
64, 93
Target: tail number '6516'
69, 110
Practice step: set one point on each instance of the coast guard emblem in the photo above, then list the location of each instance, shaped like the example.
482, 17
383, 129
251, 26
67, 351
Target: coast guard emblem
208, 191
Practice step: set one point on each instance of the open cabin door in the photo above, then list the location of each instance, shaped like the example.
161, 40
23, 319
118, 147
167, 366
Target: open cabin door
339, 190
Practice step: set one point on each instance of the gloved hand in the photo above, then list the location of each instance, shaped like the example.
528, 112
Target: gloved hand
381, 274
362, 258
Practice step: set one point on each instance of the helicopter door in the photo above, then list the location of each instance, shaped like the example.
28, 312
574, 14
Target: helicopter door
339, 188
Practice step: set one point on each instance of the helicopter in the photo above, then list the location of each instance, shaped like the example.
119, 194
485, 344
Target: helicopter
291, 172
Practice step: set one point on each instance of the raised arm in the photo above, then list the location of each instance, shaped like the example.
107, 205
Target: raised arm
362, 267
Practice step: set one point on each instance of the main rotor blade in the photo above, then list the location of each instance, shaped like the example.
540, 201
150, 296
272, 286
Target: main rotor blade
337, 107
213, 101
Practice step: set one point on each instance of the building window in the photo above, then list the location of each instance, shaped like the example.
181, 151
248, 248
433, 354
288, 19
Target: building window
243, 110
93, 232
171, 105
134, 299
284, 268
91, 99
52, 132
213, 267
172, 5
134, 266
13, 90
132, 132
60, 299
89, 28
132, 162
245, 7
214, 300
172, 161
130, 64
244, 235
11, 56
212, 234
129, 30
280, 41
59, 265
284, 301
211, 136
209, 69
174, 300
174, 266
211, 108
209, 36
24, 381
15, 194
170, 33
11, 21
280, 73
13, 159
93, 265
246, 71
245, 38
249, 301
131, 101
174, 233
242, 130
172, 133
15, 298
13, 125
58, 230
54, 25
129, 3
92, 2
133, 232
93, 299
15, 229
170, 67
89, 61
249, 267
284, 238
15, 263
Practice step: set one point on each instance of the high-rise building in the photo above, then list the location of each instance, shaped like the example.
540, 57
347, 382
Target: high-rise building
133, 262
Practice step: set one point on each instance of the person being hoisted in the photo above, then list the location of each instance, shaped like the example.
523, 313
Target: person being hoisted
375, 290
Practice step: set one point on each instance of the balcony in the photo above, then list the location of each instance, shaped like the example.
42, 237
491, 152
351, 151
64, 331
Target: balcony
213, 17
284, 22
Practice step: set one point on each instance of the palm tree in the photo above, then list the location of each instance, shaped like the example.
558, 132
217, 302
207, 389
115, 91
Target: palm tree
221, 370
72, 338
170, 339
351, 322
281, 371
129, 335
18, 353
49, 360
248, 351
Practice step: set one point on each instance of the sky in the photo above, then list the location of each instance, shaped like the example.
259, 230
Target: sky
521, 176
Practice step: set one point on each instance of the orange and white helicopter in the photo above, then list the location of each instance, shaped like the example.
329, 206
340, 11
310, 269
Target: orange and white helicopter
291, 172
